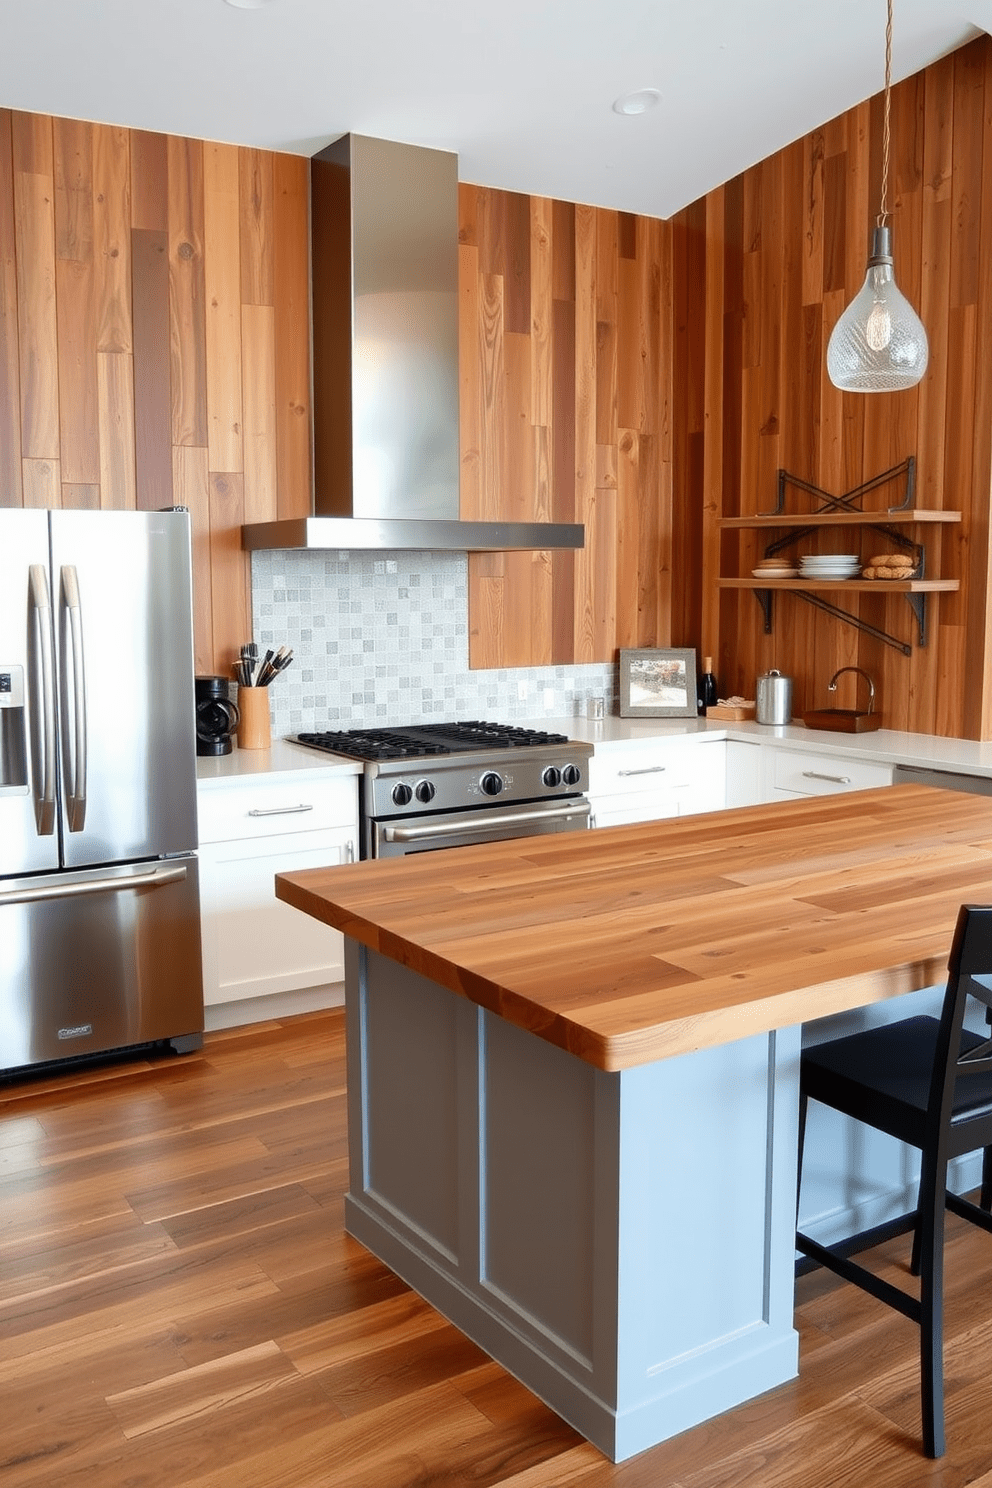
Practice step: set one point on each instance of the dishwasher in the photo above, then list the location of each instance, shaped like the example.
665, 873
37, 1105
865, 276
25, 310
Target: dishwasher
975, 785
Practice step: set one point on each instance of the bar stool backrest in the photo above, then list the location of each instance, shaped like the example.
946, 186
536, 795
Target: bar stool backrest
969, 969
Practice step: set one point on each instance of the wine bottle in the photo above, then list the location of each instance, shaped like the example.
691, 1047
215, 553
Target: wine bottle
707, 686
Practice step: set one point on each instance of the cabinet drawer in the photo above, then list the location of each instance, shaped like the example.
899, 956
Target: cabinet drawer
658, 766
824, 774
269, 808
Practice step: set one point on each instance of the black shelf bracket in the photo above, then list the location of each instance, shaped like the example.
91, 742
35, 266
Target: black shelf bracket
850, 500
917, 603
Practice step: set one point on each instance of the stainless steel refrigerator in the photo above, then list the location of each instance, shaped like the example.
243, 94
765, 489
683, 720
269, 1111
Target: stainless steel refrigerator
99, 894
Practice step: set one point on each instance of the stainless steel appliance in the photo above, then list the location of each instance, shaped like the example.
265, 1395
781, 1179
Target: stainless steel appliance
99, 898
450, 785
958, 780
384, 310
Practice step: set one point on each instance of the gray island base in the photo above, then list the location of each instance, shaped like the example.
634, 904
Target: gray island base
620, 1242
573, 1080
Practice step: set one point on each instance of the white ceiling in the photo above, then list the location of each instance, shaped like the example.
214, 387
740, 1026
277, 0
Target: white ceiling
520, 89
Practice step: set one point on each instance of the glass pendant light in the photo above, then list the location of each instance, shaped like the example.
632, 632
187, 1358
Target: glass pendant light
879, 344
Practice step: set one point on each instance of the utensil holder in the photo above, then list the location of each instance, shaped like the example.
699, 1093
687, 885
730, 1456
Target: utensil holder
255, 728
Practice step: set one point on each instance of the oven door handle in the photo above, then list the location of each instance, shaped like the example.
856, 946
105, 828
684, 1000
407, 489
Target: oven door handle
490, 822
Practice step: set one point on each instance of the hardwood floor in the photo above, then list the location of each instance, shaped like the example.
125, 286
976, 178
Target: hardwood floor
180, 1308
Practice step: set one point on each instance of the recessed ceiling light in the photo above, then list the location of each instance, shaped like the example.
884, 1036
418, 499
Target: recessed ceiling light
637, 103
248, 4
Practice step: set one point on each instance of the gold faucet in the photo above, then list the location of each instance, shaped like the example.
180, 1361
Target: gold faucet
832, 684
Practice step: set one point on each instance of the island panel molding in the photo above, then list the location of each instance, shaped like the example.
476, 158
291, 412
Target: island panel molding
532, 1199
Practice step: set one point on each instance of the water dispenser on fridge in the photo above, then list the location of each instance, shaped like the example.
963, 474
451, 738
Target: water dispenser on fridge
13, 751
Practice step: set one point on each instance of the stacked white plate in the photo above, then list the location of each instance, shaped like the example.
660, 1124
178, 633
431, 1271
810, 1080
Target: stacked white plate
830, 566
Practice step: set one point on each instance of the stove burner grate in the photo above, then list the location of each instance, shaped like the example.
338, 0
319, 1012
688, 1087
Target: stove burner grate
419, 740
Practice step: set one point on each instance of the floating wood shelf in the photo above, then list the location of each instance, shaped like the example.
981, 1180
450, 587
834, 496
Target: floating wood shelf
844, 519
843, 511
854, 586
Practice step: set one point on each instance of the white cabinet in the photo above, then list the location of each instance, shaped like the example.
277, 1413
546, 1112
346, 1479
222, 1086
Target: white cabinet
250, 830
745, 772
801, 772
645, 781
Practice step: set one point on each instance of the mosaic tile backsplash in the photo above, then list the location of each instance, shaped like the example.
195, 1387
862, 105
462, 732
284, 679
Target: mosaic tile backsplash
382, 638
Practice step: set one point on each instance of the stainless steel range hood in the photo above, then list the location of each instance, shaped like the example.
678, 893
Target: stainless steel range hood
384, 287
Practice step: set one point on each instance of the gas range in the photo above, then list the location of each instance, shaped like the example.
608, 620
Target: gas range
420, 739
430, 785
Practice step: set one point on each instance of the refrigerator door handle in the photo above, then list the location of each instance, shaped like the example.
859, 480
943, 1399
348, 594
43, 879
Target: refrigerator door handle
44, 689
34, 893
76, 755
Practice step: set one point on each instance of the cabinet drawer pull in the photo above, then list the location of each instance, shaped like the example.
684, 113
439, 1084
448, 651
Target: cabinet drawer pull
278, 810
834, 779
648, 770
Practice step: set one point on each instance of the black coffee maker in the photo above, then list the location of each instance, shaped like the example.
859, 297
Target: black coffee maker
217, 716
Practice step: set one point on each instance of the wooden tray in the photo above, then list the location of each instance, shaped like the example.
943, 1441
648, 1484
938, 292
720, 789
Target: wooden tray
731, 711
843, 721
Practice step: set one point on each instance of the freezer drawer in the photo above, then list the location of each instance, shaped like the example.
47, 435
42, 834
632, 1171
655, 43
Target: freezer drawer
99, 960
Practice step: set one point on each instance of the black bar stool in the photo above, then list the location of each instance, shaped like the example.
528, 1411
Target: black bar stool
927, 1082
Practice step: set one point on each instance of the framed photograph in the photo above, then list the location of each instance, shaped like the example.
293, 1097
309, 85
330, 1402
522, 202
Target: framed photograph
658, 684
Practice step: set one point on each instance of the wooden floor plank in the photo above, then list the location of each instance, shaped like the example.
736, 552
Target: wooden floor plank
248, 1374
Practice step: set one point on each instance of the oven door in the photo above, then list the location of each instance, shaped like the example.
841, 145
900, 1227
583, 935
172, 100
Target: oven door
427, 833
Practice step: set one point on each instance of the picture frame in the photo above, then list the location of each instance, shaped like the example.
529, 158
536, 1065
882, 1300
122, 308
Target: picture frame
658, 683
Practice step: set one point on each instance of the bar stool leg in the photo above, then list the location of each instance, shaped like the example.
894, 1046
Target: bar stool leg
930, 1241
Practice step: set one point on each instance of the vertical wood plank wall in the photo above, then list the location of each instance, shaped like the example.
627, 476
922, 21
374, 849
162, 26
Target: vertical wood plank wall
154, 340
566, 416
642, 377
687, 366
789, 254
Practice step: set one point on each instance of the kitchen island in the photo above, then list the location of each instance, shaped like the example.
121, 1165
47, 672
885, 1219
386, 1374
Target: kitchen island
573, 1071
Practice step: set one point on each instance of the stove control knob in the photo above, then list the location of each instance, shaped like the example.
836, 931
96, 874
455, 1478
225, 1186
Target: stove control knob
491, 783
571, 774
551, 775
424, 791
402, 795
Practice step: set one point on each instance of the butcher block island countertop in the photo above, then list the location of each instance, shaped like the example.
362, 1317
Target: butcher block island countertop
638, 943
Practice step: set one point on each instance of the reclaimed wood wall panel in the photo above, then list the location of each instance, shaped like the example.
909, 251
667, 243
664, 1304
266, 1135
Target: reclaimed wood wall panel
187, 371
565, 416
674, 368
111, 229
129, 263
34, 237
10, 380
222, 293
291, 301
806, 218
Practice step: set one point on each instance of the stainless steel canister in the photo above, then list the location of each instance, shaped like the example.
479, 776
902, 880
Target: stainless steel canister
773, 702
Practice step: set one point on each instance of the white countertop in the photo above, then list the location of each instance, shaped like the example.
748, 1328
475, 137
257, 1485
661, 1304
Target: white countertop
886, 746
283, 758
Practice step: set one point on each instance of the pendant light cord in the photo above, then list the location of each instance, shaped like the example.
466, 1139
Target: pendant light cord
884, 213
